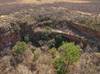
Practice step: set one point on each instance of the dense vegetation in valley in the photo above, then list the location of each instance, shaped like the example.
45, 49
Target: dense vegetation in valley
49, 41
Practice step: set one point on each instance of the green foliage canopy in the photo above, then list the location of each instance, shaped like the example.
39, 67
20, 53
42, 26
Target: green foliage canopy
20, 47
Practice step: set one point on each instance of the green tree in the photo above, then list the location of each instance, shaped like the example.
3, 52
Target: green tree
60, 66
71, 52
20, 47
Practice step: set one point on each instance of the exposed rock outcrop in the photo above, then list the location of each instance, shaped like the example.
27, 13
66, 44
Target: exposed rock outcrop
15, 27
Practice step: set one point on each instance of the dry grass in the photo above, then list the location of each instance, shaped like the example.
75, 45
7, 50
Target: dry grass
9, 6
52, 1
10, 2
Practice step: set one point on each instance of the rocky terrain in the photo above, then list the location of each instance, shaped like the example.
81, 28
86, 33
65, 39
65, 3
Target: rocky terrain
49, 40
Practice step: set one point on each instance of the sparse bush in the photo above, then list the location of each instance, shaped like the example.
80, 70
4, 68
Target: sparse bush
26, 38
56, 42
51, 43
54, 52
20, 47
48, 29
71, 52
60, 66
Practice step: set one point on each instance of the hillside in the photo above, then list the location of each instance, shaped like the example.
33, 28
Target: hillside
49, 40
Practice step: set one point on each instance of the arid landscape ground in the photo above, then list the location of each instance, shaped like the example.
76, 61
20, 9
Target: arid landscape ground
49, 37
7, 6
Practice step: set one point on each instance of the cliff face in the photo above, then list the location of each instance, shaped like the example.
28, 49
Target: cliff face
8, 35
15, 27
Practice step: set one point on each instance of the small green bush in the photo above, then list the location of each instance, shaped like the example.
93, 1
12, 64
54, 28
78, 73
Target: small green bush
60, 66
26, 38
56, 42
71, 52
20, 47
54, 52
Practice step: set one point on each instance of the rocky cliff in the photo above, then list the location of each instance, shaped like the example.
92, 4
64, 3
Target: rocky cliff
14, 27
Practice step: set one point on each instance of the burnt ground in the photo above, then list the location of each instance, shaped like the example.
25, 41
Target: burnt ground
93, 7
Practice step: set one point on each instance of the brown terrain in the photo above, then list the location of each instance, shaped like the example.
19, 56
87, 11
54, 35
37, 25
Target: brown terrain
8, 6
49, 37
